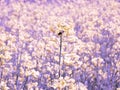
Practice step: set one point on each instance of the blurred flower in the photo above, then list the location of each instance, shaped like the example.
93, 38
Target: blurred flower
97, 61
8, 55
70, 59
59, 83
35, 73
82, 86
118, 88
3, 86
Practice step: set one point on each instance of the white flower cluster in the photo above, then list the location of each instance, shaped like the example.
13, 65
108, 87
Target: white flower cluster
61, 83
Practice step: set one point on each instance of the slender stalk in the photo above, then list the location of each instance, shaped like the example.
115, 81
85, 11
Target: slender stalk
60, 34
60, 55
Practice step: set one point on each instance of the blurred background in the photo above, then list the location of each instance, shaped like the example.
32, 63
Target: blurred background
30, 45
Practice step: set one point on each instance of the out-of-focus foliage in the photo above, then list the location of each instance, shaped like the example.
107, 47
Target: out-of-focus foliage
29, 44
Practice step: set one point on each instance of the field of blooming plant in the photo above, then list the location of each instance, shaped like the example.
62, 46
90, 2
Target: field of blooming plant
30, 45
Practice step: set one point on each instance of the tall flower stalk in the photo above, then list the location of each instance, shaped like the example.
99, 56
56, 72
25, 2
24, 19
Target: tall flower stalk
60, 34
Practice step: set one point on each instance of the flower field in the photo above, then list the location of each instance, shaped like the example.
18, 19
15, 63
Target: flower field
84, 56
